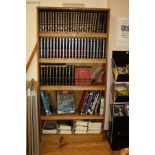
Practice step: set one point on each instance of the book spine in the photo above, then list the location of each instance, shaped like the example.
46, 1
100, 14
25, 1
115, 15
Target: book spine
88, 49
41, 75
73, 52
81, 53
41, 47
102, 106
54, 48
94, 48
50, 48
75, 48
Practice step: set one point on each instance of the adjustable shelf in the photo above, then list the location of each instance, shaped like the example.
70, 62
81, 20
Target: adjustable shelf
72, 117
73, 34
72, 60
75, 87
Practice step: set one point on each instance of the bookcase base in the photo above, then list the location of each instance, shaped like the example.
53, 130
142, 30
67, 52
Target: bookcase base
73, 138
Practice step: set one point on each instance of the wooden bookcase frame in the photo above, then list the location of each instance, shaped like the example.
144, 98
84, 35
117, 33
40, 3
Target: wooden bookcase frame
103, 62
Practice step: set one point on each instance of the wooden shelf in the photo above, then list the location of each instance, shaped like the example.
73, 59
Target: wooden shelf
72, 60
72, 138
73, 34
75, 87
71, 117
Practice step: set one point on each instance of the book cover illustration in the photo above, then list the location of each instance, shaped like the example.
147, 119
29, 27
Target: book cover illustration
65, 102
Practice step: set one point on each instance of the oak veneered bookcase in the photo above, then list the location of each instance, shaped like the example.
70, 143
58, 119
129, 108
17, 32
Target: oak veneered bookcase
71, 36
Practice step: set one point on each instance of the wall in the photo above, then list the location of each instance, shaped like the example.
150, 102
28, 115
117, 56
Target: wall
118, 8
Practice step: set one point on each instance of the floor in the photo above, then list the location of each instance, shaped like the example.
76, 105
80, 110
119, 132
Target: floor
89, 148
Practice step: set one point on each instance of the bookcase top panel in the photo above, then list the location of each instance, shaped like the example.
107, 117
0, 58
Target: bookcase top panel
74, 9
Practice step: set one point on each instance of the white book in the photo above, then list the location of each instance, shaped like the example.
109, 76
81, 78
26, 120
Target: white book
80, 128
95, 124
64, 127
80, 132
102, 106
94, 128
53, 131
65, 132
81, 123
93, 131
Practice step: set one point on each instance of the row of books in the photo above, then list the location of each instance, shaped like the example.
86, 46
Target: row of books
92, 102
57, 74
72, 21
72, 127
72, 47
65, 75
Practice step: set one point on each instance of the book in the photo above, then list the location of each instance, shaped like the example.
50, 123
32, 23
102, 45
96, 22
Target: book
49, 127
95, 124
80, 132
81, 123
65, 102
46, 102
79, 127
102, 106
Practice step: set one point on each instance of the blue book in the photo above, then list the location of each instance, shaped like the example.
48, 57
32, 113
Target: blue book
88, 102
45, 102
65, 102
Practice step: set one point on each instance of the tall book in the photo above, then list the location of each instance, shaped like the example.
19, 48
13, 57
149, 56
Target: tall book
65, 102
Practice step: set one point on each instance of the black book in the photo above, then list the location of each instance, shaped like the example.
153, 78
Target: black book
79, 47
88, 50
69, 47
73, 75
63, 47
97, 48
66, 47
81, 52
48, 21
91, 47
50, 48
40, 21
100, 48
54, 56
57, 47
47, 75
103, 48
84, 48
73, 54
47, 47
94, 48
52, 75
45, 83
41, 75
45, 21
41, 47
51, 21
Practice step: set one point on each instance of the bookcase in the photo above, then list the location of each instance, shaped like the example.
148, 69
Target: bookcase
72, 56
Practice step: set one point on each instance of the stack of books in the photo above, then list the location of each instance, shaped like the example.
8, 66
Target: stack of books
94, 127
49, 127
71, 47
64, 127
80, 127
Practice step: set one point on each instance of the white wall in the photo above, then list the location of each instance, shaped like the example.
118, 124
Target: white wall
118, 8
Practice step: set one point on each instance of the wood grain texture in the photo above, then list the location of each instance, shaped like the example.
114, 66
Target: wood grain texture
72, 117
68, 60
73, 34
93, 87
84, 148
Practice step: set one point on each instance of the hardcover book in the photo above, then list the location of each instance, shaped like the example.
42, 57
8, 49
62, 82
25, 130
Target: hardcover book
65, 102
